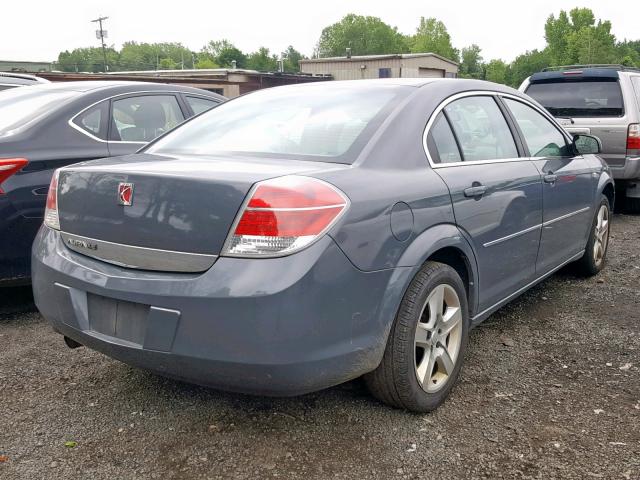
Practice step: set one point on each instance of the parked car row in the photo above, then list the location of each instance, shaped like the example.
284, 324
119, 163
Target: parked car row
301, 236
45, 127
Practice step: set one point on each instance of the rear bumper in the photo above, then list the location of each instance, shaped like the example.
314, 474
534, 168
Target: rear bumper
629, 170
281, 326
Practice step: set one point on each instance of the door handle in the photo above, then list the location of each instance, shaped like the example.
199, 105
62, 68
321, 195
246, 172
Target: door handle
475, 191
550, 178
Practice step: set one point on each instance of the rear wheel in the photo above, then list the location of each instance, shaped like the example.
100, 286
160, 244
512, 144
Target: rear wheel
593, 260
427, 342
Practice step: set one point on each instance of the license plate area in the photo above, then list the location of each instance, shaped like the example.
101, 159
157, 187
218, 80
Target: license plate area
117, 318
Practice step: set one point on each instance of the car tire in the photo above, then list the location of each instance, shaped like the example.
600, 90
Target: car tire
421, 334
594, 258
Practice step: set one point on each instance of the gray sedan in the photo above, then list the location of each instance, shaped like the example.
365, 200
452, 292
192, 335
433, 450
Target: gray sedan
298, 237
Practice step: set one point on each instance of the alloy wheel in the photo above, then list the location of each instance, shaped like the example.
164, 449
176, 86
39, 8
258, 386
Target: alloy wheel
601, 235
438, 338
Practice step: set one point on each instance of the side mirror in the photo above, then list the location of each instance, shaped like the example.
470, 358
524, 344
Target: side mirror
586, 144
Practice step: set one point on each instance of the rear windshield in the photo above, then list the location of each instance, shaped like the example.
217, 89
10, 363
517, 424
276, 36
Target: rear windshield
19, 106
316, 122
579, 98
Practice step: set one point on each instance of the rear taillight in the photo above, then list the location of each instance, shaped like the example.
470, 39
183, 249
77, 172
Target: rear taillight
51, 219
9, 166
284, 215
633, 138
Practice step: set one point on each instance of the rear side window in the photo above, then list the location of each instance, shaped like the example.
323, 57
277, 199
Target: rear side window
143, 118
444, 143
601, 98
481, 129
200, 104
93, 122
541, 136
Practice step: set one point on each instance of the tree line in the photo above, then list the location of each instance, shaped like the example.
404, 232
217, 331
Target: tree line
573, 37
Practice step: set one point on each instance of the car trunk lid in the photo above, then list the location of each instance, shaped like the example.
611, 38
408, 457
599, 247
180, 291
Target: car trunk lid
178, 204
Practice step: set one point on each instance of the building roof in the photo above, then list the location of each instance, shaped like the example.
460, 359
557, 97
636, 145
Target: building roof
392, 56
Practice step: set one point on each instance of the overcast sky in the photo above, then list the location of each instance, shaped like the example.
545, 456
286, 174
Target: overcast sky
39, 29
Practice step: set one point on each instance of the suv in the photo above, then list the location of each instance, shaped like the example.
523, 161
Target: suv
11, 80
599, 100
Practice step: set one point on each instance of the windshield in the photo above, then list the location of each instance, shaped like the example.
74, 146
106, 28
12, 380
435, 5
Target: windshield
579, 98
318, 122
19, 106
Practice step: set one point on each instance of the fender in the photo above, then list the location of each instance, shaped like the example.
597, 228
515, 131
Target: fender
421, 248
604, 180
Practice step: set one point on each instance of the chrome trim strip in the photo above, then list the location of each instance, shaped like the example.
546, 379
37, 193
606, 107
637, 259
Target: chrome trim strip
293, 209
475, 93
513, 235
563, 217
142, 258
158, 92
508, 298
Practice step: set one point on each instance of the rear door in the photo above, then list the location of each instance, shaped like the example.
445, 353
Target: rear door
589, 102
568, 185
135, 120
496, 193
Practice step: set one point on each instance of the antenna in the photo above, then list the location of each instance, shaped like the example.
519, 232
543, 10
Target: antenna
101, 34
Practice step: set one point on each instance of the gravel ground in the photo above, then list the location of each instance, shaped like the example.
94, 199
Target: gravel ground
551, 389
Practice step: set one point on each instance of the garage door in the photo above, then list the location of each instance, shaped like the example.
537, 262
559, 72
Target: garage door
430, 72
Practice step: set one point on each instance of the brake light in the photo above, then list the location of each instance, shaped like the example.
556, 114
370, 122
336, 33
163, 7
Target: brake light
9, 166
283, 216
633, 137
51, 218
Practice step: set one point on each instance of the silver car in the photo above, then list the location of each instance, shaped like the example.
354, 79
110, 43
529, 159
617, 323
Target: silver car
599, 100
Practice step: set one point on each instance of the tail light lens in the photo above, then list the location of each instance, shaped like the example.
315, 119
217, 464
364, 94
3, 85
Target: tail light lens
633, 139
9, 166
51, 219
283, 216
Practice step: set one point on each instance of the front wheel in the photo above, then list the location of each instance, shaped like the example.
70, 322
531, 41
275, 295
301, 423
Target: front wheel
427, 342
593, 260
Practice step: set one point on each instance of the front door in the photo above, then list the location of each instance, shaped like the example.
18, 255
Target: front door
568, 191
496, 194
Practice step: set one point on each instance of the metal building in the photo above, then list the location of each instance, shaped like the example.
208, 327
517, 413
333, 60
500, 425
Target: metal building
381, 66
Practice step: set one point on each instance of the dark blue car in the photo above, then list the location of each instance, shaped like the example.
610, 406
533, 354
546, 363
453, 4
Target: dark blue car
298, 237
48, 126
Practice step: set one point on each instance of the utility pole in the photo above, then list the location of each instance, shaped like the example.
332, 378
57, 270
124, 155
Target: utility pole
101, 34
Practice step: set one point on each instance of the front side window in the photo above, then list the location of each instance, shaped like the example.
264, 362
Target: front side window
481, 129
601, 98
143, 118
540, 135
311, 120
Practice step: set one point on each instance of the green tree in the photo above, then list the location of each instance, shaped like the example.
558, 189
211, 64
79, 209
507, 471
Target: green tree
223, 53
575, 38
292, 59
431, 36
364, 35
525, 65
471, 64
496, 71
149, 56
89, 59
262, 60
206, 63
